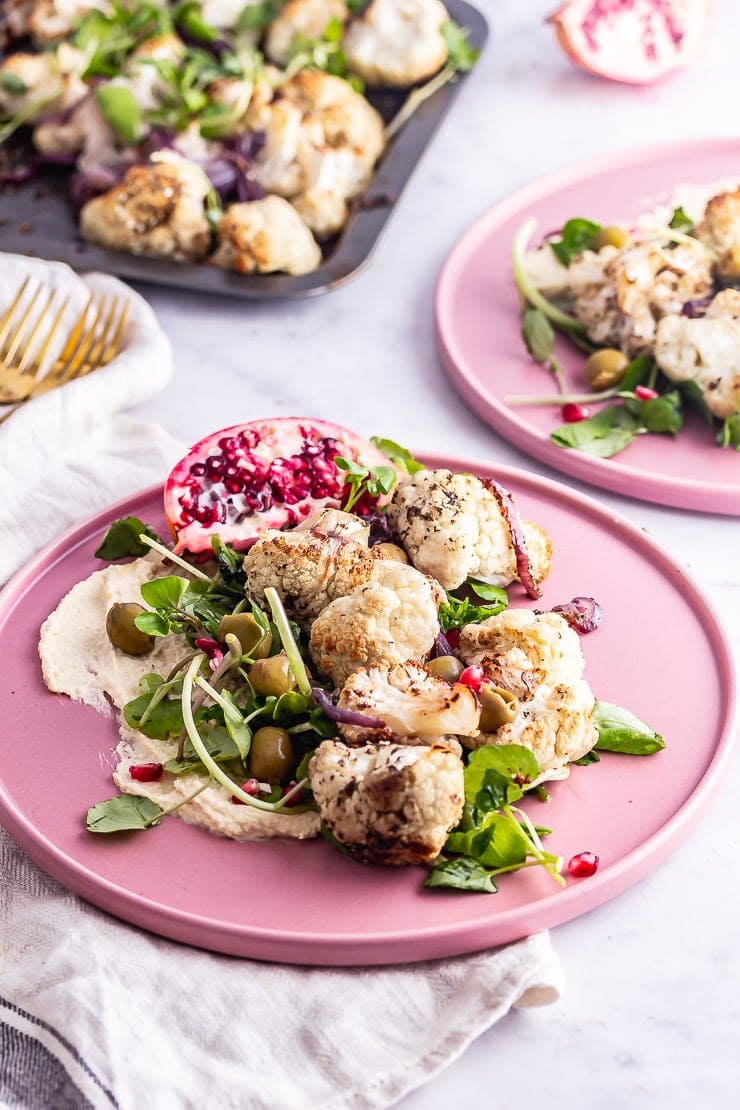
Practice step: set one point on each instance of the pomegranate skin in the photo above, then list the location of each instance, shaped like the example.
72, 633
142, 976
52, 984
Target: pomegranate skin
632, 41
237, 482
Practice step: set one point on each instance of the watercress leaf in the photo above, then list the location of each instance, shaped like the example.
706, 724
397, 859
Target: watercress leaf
496, 790
500, 843
679, 221
461, 874
489, 592
189, 16
219, 745
518, 765
693, 394
399, 456
321, 724
538, 335
125, 813
164, 722
12, 83
148, 683
577, 235
121, 110
660, 415
729, 435
589, 757
602, 435
461, 56
457, 612
122, 539
637, 373
352, 468
291, 704
256, 16
621, 731
165, 593
154, 624
385, 477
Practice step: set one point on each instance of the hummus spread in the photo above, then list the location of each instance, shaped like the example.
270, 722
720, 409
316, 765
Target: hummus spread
78, 659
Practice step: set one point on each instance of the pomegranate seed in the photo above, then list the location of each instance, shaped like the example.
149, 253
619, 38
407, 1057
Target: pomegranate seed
582, 865
296, 800
572, 414
645, 393
474, 677
233, 485
453, 637
146, 772
251, 787
197, 470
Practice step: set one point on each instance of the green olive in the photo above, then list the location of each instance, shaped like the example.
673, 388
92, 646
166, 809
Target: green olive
123, 633
604, 369
497, 707
611, 236
271, 757
393, 551
447, 667
254, 640
272, 676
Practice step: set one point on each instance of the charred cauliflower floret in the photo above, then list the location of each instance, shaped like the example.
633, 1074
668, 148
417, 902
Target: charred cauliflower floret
305, 18
391, 619
720, 231
556, 724
143, 73
51, 20
322, 140
389, 803
310, 567
412, 703
451, 526
264, 237
397, 42
31, 86
620, 306
707, 350
520, 650
157, 210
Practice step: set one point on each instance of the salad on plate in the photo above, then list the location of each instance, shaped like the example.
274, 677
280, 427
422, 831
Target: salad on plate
328, 648
653, 304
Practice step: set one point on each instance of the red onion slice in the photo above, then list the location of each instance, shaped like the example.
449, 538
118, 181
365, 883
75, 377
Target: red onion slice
582, 613
343, 716
441, 646
516, 532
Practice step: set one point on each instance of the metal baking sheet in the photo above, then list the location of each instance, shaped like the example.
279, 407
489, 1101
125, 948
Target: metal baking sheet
38, 219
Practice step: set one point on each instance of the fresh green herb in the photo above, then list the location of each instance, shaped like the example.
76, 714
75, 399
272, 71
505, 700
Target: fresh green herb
621, 731
461, 56
679, 220
124, 813
287, 638
255, 17
189, 16
400, 456
122, 539
118, 104
376, 482
219, 745
693, 394
590, 757
457, 612
561, 321
461, 873
539, 339
602, 435
325, 54
108, 37
729, 435
163, 721
578, 235
485, 590
661, 415
12, 83
641, 371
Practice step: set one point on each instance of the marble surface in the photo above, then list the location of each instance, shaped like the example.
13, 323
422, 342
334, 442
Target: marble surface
651, 1016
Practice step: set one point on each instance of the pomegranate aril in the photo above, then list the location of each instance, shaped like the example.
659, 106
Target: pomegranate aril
146, 772
198, 469
251, 787
474, 677
645, 393
573, 414
233, 485
583, 865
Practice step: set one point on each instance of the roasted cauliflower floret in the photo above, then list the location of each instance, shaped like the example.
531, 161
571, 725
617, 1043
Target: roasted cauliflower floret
157, 210
556, 724
68, 133
265, 236
392, 804
391, 619
144, 78
397, 42
307, 18
638, 285
451, 526
720, 231
412, 703
322, 140
51, 20
309, 567
31, 85
707, 350
520, 650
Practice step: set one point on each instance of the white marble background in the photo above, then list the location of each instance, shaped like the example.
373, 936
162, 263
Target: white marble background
651, 1017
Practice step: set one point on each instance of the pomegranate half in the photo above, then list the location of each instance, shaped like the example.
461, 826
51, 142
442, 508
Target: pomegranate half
266, 474
636, 41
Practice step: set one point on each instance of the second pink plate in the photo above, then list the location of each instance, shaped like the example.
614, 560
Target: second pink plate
659, 651
477, 314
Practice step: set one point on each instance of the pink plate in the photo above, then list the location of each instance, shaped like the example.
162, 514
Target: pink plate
477, 313
303, 902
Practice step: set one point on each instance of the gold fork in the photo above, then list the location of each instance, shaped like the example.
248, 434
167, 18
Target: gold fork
23, 344
92, 343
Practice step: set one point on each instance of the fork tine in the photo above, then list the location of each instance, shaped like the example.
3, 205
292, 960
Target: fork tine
74, 363
7, 315
15, 338
95, 357
29, 340
115, 344
45, 343
73, 339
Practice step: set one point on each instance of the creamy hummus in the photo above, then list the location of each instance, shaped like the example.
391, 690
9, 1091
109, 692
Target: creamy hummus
78, 659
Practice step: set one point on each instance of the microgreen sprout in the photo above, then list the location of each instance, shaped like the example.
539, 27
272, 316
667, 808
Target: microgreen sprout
155, 545
560, 320
376, 482
290, 647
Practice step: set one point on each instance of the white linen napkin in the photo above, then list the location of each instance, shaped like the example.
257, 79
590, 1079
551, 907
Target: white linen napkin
97, 1013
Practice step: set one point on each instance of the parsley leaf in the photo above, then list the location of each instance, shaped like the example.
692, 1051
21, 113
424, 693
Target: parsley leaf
461, 56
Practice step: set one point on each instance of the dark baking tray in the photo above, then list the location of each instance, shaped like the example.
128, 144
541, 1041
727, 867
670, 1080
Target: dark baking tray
37, 218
